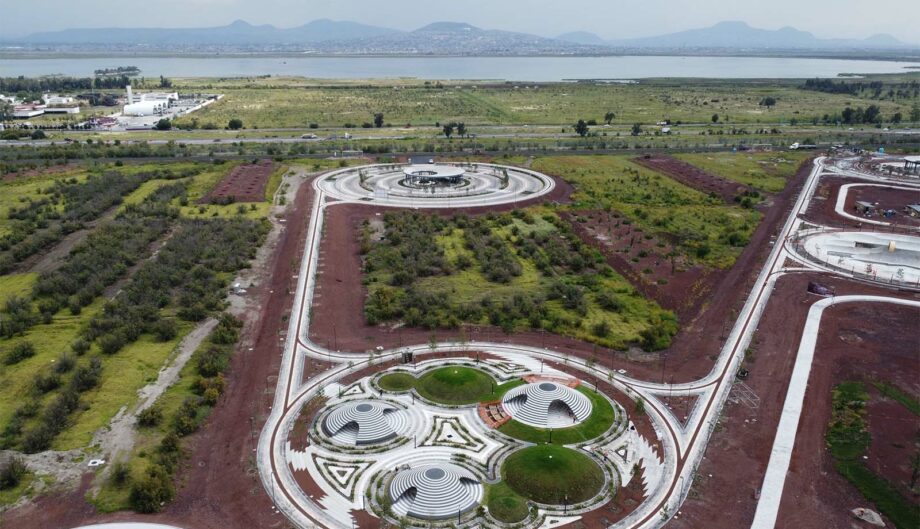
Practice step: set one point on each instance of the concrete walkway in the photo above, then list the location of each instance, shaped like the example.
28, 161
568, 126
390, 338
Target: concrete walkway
781, 455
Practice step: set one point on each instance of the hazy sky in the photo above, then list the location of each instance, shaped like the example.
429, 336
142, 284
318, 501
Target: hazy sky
608, 18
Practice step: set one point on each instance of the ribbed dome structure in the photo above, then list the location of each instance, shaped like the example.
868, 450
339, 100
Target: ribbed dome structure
435, 491
547, 405
362, 422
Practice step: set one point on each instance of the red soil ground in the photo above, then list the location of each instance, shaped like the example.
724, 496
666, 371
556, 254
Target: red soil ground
693, 176
892, 449
724, 493
218, 486
886, 198
821, 209
860, 342
671, 282
244, 183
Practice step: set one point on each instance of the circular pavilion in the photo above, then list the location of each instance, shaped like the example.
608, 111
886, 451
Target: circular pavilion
433, 174
435, 491
362, 423
912, 165
547, 405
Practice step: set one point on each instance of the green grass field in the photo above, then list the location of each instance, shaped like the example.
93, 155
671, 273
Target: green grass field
396, 382
451, 385
657, 204
552, 474
135, 365
293, 102
455, 385
17, 193
12, 285
504, 504
600, 420
765, 171
112, 496
468, 286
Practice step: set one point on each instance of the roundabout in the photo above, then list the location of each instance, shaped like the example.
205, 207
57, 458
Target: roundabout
435, 185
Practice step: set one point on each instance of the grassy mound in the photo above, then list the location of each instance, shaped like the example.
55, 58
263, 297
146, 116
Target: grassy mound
504, 504
597, 423
396, 382
455, 385
552, 474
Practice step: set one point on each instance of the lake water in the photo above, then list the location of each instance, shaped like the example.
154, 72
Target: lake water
543, 69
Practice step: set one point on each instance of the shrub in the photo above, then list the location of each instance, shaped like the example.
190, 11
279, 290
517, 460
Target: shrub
112, 343
186, 419
210, 396
150, 416
121, 473
64, 364
46, 383
19, 353
37, 439
86, 377
12, 470
80, 346
601, 329
164, 329
150, 493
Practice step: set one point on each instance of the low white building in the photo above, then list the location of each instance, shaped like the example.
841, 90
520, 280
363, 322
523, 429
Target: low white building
148, 104
57, 100
146, 108
28, 111
75, 109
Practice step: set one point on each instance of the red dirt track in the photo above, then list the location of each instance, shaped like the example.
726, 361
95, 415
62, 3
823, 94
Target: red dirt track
693, 176
244, 183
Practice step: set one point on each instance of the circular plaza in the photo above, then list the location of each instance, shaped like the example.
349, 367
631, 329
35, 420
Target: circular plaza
464, 441
435, 185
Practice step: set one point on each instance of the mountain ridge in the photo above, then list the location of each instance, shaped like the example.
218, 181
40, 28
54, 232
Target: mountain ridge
342, 36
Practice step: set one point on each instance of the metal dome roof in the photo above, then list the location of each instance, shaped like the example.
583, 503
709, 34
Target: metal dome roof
434, 171
435, 491
547, 405
361, 422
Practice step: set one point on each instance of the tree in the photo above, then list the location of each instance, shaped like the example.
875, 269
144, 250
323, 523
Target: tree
581, 128
165, 82
636, 129
163, 124
768, 102
378, 119
896, 118
873, 114
235, 124
448, 130
848, 114
715, 118
640, 406
609, 116
461, 129
38, 134
915, 113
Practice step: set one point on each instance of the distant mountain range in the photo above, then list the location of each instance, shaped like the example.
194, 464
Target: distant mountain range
439, 38
738, 35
